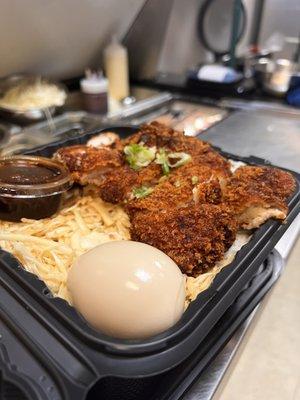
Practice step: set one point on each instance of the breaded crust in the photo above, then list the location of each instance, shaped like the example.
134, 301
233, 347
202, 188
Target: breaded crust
119, 183
158, 135
251, 190
186, 185
195, 237
83, 161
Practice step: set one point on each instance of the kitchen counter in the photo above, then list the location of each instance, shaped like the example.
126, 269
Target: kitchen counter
75, 101
267, 364
271, 135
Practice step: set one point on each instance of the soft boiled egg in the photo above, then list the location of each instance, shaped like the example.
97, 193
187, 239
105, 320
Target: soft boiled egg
127, 289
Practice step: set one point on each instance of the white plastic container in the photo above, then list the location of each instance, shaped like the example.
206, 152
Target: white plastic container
94, 89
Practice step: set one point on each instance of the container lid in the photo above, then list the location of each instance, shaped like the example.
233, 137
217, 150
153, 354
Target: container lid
94, 85
28, 176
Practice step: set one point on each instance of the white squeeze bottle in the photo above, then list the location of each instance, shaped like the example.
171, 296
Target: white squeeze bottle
116, 68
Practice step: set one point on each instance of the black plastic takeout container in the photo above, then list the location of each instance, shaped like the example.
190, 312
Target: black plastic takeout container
28, 375
83, 355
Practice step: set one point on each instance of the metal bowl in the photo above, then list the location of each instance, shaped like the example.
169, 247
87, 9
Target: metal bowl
274, 76
30, 115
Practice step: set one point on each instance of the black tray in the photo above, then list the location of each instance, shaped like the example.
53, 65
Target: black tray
84, 355
26, 375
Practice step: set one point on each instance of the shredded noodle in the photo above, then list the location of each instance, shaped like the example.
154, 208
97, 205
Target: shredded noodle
48, 247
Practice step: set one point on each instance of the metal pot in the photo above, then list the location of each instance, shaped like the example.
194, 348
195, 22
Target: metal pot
274, 76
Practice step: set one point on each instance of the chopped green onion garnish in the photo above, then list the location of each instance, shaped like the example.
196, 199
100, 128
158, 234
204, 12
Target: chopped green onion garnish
141, 192
162, 159
139, 156
182, 158
195, 180
162, 179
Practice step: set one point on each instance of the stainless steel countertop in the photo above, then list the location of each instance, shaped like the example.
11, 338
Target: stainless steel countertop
206, 386
271, 135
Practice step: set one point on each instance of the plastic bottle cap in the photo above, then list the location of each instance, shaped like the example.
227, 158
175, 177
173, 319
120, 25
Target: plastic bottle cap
94, 85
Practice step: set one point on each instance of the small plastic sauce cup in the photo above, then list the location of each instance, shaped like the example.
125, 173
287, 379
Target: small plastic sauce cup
31, 187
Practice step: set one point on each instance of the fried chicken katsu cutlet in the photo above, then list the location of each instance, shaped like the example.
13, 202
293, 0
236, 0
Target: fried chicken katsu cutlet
195, 237
188, 185
88, 163
160, 136
179, 193
256, 194
119, 185
116, 181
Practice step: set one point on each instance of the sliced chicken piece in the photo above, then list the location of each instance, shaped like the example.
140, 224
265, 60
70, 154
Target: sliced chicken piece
105, 139
187, 185
161, 136
120, 184
88, 164
155, 134
256, 194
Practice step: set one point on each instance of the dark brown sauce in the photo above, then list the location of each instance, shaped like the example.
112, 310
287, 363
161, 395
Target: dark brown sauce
14, 209
31, 188
23, 173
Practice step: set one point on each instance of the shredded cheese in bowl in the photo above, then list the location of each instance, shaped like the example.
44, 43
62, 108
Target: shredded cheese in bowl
26, 96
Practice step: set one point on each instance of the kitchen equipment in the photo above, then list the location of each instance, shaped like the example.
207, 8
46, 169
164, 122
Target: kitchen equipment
190, 118
220, 33
239, 87
68, 125
274, 75
29, 115
215, 27
262, 67
178, 112
237, 11
277, 83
